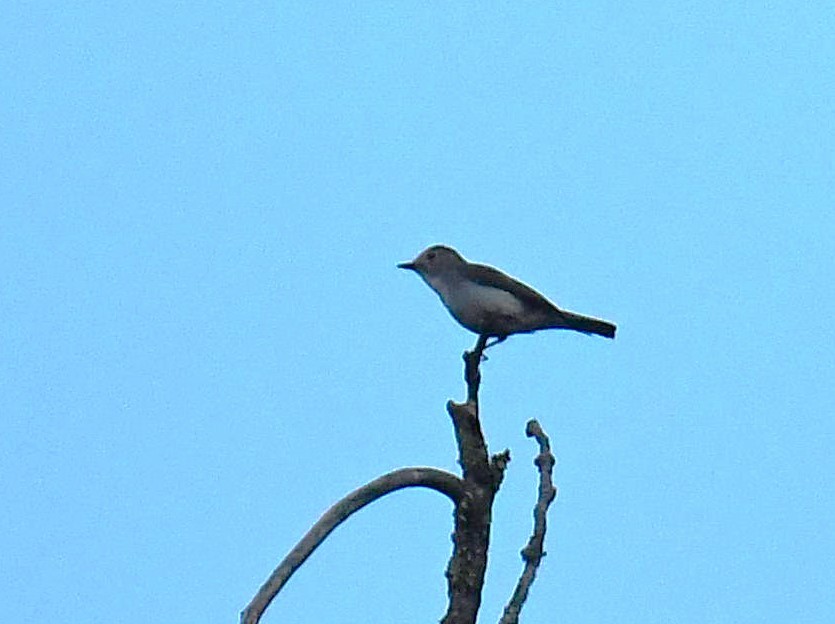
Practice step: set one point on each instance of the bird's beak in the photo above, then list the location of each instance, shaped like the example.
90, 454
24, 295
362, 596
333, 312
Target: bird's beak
407, 265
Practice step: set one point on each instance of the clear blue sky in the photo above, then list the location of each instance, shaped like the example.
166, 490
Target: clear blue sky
204, 340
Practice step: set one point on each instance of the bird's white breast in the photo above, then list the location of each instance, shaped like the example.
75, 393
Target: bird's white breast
475, 305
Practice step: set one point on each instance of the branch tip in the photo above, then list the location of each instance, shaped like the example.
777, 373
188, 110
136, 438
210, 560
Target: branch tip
533, 552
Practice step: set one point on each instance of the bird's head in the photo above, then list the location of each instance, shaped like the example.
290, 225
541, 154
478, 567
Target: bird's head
434, 260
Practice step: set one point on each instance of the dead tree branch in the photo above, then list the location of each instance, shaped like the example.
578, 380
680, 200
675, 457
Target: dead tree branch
439, 480
482, 477
533, 553
473, 497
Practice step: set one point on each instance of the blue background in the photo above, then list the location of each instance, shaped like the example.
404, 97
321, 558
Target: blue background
204, 341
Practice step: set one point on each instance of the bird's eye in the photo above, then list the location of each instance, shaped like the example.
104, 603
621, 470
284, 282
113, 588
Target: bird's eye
430, 255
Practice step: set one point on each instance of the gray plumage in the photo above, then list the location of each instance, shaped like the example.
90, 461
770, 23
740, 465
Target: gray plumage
492, 304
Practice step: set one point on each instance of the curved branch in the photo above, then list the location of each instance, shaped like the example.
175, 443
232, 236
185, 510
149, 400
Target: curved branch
533, 552
439, 480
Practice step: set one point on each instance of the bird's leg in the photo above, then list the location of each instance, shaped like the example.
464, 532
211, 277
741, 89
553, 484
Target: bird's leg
482, 345
497, 340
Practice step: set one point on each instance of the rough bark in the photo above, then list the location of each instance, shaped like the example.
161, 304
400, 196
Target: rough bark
482, 478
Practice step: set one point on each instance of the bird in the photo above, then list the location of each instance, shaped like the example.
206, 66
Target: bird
492, 304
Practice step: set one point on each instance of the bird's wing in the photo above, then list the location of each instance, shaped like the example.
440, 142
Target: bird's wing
488, 276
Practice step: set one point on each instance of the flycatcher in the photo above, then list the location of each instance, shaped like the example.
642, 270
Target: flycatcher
492, 304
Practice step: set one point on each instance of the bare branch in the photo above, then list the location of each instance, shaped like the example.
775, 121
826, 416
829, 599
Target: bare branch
482, 477
533, 553
439, 480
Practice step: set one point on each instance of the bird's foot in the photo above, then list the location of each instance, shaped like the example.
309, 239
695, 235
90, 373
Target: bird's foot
483, 344
496, 340
478, 349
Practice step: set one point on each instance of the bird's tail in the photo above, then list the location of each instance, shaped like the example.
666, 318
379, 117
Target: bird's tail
587, 324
